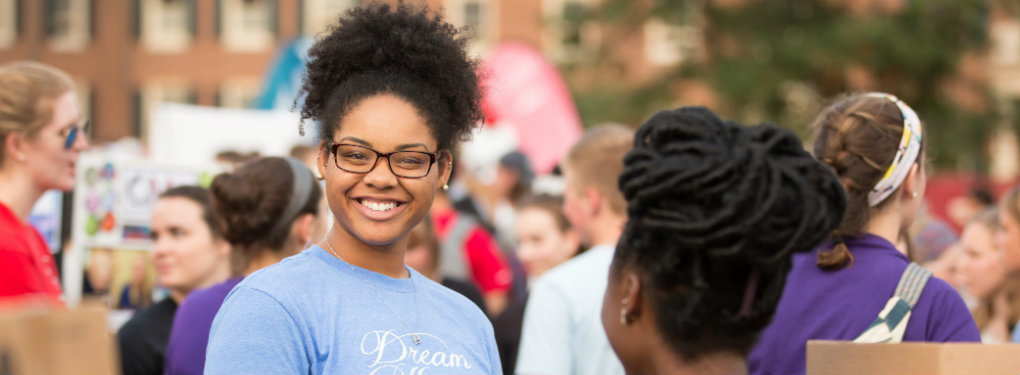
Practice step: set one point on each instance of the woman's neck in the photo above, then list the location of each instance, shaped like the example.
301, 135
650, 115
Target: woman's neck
262, 260
668, 362
384, 259
18, 193
887, 224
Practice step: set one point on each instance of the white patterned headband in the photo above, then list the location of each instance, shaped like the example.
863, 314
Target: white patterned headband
906, 154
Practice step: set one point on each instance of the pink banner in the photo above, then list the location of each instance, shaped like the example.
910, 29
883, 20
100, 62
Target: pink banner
525, 92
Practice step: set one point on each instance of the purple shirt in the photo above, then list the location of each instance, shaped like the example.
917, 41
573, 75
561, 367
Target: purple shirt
185, 354
840, 305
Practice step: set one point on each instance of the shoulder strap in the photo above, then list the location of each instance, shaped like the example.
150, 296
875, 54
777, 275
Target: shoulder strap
912, 283
891, 323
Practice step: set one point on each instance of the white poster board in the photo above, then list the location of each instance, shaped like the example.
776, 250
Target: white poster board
192, 135
113, 202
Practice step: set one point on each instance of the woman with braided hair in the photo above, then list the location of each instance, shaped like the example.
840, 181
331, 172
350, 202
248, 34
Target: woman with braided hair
392, 90
715, 210
848, 288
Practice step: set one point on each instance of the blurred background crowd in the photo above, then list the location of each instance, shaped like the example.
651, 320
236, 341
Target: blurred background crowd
177, 91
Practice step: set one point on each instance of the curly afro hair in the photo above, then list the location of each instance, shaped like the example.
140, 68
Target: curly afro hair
715, 211
402, 50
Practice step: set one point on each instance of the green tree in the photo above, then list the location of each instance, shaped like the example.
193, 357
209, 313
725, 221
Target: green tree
780, 60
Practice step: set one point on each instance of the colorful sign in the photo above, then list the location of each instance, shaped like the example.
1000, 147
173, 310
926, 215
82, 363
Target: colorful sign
114, 200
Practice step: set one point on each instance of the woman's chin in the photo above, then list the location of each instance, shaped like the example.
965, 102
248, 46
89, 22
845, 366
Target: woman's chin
379, 239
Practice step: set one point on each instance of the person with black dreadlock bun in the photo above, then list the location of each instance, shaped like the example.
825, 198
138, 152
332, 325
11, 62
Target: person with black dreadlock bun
715, 211
393, 91
859, 285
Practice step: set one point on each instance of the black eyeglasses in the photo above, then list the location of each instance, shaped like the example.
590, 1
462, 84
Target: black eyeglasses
361, 159
70, 134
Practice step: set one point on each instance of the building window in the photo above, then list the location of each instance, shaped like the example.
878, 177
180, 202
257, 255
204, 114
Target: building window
480, 17
248, 25
68, 24
9, 23
317, 15
568, 37
167, 26
156, 92
667, 44
239, 92
83, 89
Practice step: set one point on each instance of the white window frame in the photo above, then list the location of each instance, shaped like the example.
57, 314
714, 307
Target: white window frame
156, 36
76, 37
239, 92
318, 15
237, 35
484, 35
9, 19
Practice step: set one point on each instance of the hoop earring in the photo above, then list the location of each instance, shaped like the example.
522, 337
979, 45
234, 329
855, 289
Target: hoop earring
624, 319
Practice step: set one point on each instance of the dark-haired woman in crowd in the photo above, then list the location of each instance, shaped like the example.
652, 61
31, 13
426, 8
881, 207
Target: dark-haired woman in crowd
846, 289
714, 212
392, 90
42, 133
189, 253
267, 210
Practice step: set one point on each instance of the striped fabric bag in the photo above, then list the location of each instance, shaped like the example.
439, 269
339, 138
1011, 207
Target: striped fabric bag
891, 322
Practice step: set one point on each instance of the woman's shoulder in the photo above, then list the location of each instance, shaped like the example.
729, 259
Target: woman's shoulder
293, 275
157, 316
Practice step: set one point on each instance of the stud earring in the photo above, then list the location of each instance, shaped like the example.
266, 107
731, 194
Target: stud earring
446, 187
915, 194
318, 176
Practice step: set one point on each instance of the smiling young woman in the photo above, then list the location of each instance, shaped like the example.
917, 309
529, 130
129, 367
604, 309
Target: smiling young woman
42, 134
392, 90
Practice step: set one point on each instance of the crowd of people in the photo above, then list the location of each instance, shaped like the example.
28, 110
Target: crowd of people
693, 244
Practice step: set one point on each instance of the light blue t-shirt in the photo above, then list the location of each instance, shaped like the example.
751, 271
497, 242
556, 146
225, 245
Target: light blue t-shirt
562, 331
314, 314
1016, 332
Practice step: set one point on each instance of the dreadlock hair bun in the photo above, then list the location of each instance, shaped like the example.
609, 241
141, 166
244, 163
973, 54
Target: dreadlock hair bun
404, 50
709, 202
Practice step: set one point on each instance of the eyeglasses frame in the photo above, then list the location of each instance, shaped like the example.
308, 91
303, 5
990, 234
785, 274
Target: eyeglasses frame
333, 147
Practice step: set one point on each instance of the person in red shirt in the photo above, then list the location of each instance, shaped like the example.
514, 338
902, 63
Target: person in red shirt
470, 253
42, 133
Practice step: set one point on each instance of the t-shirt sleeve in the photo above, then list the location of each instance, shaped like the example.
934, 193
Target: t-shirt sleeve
253, 333
185, 352
950, 319
545, 334
488, 267
495, 366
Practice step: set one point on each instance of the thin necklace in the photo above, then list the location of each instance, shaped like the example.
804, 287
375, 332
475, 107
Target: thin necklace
414, 335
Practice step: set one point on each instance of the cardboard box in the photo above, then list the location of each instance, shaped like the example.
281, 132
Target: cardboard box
844, 357
40, 340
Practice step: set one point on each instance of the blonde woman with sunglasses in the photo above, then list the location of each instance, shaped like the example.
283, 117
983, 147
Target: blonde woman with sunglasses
42, 133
